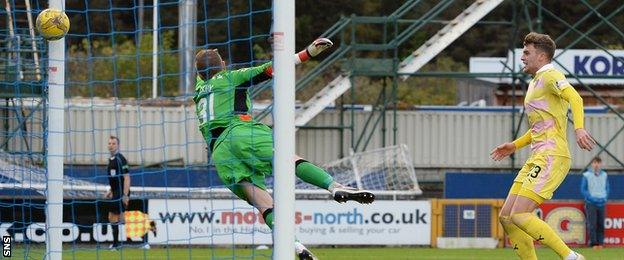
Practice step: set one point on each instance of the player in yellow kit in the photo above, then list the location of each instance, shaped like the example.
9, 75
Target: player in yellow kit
546, 103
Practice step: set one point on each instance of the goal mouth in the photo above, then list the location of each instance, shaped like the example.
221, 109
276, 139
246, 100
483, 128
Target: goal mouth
387, 170
384, 171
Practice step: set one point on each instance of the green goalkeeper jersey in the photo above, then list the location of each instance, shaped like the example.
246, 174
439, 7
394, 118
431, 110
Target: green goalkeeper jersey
221, 100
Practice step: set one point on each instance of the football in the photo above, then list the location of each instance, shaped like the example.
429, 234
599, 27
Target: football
52, 24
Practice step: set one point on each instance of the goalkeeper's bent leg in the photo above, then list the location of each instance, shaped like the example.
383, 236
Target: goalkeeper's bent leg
268, 217
313, 174
301, 251
316, 176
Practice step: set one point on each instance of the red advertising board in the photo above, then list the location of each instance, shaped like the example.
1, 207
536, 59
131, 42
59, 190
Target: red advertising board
568, 220
614, 224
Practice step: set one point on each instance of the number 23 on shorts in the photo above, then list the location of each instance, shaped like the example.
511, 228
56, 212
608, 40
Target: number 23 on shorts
534, 172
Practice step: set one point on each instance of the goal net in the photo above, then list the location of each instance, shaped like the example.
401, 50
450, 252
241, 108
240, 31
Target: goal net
385, 170
129, 73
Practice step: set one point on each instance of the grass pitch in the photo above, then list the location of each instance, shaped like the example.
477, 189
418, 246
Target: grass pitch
373, 253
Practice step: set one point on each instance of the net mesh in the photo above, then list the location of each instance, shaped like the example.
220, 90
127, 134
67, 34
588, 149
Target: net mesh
384, 169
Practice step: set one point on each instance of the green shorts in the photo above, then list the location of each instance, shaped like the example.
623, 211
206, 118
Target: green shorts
244, 152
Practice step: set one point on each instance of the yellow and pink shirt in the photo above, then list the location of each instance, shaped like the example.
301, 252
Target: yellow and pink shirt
547, 112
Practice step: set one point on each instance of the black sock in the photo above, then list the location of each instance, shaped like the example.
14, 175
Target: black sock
115, 233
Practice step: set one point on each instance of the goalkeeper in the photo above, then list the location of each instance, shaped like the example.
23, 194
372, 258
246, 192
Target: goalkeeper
242, 148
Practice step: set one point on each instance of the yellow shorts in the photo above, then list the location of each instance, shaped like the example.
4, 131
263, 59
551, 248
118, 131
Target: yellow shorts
540, 176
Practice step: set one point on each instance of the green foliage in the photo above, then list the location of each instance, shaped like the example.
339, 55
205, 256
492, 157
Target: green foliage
415, 90
117, 68
115, 71
432, 91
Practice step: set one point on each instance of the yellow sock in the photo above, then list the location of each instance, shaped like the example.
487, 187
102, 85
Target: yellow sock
541, 232
521, 241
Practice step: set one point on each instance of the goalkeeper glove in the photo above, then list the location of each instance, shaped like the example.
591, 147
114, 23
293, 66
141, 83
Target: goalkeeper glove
315, 48
318, 46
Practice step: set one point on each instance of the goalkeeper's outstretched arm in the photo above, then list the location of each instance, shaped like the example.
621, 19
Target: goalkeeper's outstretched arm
314, 49
259, 73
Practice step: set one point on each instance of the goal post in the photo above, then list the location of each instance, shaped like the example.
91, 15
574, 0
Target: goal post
54, 143
284, 128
